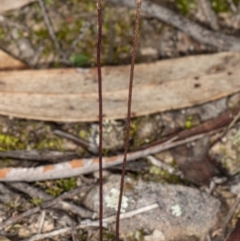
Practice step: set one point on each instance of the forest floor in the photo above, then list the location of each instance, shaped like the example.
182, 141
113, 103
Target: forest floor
194, 187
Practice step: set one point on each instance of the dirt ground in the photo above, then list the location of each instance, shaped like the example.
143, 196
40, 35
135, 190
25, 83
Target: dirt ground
206, 171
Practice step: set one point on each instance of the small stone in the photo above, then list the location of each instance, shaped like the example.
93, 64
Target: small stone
25, 48
157, 235
173, 210
105, 174
148, 54
208, 111
233, 101
165, 156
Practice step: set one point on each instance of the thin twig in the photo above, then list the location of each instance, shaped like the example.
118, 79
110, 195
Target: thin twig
19, 217
154, 161
232, 6
41, 221
37, 174
100, 112
232, 123
236, 118
235, 234
132, 213
51, 32
7, 195
57, 203
10, 23
49, 234
230, 213
74, 234
209, 14
66, 195
50, 203
134, 49
85, 224
86, 165
35, 155
81, 35
86, 145
216, 39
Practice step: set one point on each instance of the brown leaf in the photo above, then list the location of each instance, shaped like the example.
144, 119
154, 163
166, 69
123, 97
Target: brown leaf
70, 95
7, 62
7, 5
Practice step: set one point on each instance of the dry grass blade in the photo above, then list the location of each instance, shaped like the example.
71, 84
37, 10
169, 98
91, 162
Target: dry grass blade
128, 115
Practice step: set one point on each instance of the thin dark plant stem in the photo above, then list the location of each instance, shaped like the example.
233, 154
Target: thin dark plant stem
134, 49
99, 9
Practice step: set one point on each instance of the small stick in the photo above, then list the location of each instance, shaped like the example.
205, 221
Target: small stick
10, 23
232, 6
154, 161
38, 156
84, 166
81, 35
54, 202
203, 35
51, 32
74, 234
128, 115
230, 213
85, 224
19, 217
232, 123
84, 144
209, 14
41, 221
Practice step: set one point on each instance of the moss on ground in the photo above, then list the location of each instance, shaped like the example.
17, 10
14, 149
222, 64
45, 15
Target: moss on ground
57, 187
71, 19
186, 6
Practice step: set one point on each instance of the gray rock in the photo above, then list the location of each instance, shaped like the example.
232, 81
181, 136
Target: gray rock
209, 110
25, 48
148, 54
180, 211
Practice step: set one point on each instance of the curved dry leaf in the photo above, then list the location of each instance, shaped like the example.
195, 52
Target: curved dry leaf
70, 95
7, 62
7, 5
